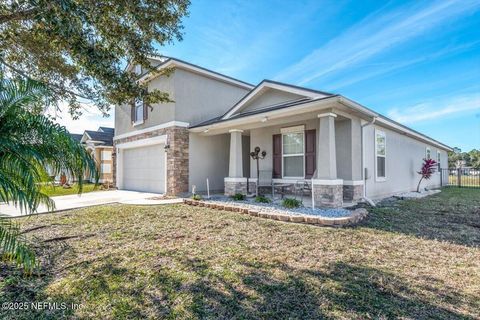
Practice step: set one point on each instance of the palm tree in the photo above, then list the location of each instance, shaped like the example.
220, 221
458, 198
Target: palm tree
30, 142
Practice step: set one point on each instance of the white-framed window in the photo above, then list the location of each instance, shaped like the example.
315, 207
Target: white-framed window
428, 153
106, 168
138, 112
293, 152
106, 155
138, 69
380, 156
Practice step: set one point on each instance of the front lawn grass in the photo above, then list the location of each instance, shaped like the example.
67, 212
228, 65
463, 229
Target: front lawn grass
53, 191
416, 259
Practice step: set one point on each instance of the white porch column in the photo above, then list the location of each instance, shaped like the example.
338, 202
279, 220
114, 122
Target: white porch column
235, 169
326, 155
235, 182
327, 189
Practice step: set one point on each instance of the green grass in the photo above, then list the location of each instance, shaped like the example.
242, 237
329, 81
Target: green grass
53, 191
415, 259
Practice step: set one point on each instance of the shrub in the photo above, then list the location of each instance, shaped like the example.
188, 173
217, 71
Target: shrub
238, 197
262, 199
291, 203
426, 171
197, 197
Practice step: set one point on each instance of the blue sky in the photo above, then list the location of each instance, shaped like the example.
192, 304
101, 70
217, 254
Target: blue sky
417, 62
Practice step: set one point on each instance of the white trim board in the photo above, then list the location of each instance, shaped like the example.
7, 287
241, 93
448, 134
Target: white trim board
171, 62
320, 104
149, 129
142, 142
272, 115
327, 182
234, 179
277, 86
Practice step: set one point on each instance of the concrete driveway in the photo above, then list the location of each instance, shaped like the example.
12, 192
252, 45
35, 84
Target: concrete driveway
84, 200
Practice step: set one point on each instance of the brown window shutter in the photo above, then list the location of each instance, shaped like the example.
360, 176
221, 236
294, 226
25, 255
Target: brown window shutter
310, 153
132, 111
145, 111
277, 156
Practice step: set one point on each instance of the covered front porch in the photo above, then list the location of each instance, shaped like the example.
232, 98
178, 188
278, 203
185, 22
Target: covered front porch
321, 146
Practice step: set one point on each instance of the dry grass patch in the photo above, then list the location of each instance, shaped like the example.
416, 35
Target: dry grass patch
187, 262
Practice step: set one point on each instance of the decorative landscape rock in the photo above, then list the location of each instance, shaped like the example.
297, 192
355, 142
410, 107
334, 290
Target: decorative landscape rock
354, 216
416, 195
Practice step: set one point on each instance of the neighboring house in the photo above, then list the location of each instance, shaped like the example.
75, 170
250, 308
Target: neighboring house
214, 121
77, 136
100, 145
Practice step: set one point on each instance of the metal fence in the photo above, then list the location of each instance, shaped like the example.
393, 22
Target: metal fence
463, 177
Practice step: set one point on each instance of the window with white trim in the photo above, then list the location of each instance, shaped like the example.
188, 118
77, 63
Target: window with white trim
293, 154
380, 155
106, 155
138, 111
428, 153
106, 168
138, 69
439, 158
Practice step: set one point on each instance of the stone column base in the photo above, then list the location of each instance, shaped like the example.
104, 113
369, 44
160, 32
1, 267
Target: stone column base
353, 191
235, 185
328, 193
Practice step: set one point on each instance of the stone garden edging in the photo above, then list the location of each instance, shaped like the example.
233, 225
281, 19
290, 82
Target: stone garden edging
357, 215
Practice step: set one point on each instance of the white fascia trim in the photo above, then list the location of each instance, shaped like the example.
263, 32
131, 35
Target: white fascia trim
352, 104
327, 182
327, 114
149, 129
83, 140
353, 182
142, 142
234, 179
276, 86
356, 106
412, 134
309, 106
175, 63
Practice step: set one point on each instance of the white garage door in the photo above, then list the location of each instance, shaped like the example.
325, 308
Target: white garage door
144, 169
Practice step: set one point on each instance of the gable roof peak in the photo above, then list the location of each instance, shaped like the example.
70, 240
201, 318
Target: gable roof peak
275, 85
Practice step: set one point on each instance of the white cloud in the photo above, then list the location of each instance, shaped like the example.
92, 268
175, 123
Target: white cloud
91, 119
244, 43
436, 109
374, 70
373, 35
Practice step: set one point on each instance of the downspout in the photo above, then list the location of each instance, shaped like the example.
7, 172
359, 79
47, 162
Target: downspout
364, 176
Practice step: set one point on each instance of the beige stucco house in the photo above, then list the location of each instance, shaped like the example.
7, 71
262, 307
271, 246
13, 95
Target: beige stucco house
100, 145
345, 150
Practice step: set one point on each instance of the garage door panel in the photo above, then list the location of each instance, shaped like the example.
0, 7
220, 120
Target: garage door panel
144, 169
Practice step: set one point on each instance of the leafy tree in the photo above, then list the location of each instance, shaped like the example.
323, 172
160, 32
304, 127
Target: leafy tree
79, 48
455, 159
426, 171
30, 142
474, 156
458, 159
